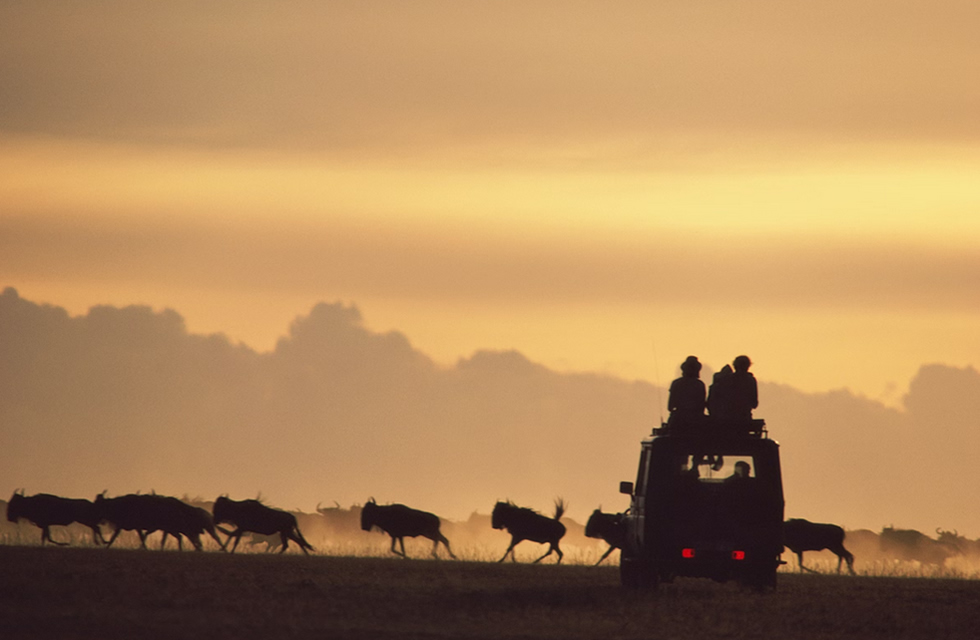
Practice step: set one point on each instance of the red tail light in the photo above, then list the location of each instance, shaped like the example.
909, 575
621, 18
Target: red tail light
738, 555
687, 553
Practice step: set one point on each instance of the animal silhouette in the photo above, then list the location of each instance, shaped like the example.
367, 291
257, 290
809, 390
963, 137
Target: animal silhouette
252, 515
526, 524
45, 510
399, 521
910, 545
608, 527
148, 513
802, 535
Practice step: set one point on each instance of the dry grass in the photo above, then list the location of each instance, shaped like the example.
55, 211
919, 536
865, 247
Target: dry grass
93, 593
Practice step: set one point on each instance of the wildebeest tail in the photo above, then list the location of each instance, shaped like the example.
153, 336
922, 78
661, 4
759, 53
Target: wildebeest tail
560, 507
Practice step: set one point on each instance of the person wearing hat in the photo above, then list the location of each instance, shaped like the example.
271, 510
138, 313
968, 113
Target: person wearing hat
686, 399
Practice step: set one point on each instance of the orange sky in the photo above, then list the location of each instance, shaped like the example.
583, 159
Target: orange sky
600, 187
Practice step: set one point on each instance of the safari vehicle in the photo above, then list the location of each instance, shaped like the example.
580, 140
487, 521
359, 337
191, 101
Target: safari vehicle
706, 503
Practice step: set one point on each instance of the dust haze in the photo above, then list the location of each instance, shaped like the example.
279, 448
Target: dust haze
126, 399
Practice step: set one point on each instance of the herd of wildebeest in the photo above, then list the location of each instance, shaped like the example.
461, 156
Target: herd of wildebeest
227, 521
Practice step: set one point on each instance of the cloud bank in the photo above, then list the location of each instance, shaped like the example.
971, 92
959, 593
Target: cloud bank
125, 399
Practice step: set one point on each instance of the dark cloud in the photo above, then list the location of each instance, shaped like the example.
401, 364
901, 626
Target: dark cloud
125, 399
422, 75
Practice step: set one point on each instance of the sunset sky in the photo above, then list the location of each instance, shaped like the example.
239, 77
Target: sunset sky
602, 187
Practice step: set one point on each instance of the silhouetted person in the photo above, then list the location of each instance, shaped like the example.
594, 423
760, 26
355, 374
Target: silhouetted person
720, 394
687, 396
744, 392
742, 471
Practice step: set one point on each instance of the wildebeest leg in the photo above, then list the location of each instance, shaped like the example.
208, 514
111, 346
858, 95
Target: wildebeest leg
401, 543
237, 535
799, 555
285, 541
97, 538
143, 536
299, 540
606, 554
221, 544
46, 535
113, 538
843, 555
510, 550
551, 549
445, 541
394, 541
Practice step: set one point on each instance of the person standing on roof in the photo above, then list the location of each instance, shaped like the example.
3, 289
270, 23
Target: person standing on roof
720, 395
686, 400
744, 391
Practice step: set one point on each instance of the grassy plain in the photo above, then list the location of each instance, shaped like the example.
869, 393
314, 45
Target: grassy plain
69, 593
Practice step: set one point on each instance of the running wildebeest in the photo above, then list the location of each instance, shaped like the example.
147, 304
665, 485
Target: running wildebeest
526, 524
252, 515
148, 513
608, 527
802, 535
191, 522
45, 510
910, 545
131, 512
399, 521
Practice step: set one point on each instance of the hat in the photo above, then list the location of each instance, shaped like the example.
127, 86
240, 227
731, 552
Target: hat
691, 365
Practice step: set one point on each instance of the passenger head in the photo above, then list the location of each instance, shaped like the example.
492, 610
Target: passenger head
742, 469
691, 368
742, 363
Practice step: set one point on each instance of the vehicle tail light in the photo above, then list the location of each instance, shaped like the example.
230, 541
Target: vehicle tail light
738, 555
687, 553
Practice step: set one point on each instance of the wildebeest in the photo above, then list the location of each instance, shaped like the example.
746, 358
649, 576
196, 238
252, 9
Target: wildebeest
399, 521
45, 510
252, 515
914, 546
802, 535
608, 527
952, 540
192, 521
526, 524
148, 513
341, 522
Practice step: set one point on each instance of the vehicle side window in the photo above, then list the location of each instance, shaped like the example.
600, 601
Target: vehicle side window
717, 467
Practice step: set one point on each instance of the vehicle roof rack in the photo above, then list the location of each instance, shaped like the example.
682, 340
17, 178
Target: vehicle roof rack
713, 428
